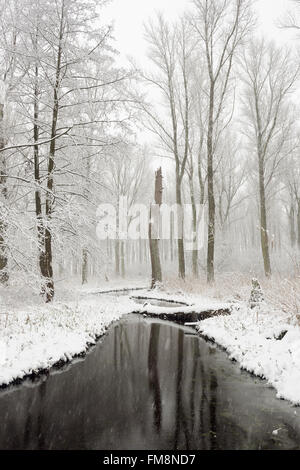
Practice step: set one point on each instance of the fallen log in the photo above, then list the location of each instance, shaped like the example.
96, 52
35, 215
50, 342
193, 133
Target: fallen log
115, 291
184, 317
157, 299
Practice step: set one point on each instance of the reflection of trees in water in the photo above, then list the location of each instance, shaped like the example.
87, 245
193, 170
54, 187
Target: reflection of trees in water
180, 418
154, 375
106, 398
208, 406
213, 410
195, 355
197, 420
115, 348
202, 417
40, 433
125, 360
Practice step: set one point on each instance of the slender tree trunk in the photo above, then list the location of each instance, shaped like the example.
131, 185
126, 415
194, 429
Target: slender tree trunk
298, 224
117, 257
140, 242
200, 178
263, 219
154, 243
38, 199
180, 241
171, 240
194, 214
3, 194
84, 270
211, 197
123, 259
292, 226
85, 257
50, 176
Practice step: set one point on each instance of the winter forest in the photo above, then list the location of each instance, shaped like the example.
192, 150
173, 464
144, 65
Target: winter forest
219, 107
209, 119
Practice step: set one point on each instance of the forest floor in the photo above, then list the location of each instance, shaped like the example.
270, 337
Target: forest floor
264, 341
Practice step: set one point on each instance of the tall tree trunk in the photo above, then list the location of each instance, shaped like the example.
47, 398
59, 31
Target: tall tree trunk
180, 241
3, 195
298, 224
194, 215
153, 242
117, 257
50, 171
84, 270
171, 240
200, 177
263, 219
292, 226
123, 259
38, 200
211, 197
85, 257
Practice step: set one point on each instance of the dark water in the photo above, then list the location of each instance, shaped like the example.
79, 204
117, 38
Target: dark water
147, 385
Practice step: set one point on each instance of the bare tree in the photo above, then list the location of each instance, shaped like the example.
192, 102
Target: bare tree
269, 74
8, 64
221, 26
171, 51
125, 175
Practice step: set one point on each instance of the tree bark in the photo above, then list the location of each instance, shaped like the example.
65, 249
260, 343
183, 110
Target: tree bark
298, 224
123, 259
38, 200
84, 270
3, 194
292, 226
263, 219
194, 215
154, 243
180, 242
211, 197
50, 176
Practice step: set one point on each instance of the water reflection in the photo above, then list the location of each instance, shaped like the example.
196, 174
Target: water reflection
147, 385
154, 386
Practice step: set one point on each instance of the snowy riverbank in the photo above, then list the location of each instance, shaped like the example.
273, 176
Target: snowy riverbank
266, 344
35, 339
264, 341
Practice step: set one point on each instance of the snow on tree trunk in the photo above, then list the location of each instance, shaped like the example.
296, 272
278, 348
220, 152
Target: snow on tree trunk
3, 197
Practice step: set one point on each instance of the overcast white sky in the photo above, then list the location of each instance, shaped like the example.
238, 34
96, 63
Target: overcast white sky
129, 16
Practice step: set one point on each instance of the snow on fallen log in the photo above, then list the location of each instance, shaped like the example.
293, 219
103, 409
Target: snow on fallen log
114, 291
159, 299
191, 313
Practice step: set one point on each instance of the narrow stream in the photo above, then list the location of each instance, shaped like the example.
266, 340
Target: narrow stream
148, 385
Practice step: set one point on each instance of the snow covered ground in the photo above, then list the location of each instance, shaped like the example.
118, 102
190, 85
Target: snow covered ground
265, 342
38, 337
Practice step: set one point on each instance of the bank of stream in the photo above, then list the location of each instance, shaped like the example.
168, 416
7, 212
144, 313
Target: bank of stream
147, 384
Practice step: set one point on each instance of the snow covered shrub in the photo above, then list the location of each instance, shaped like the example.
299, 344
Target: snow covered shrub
256, 296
